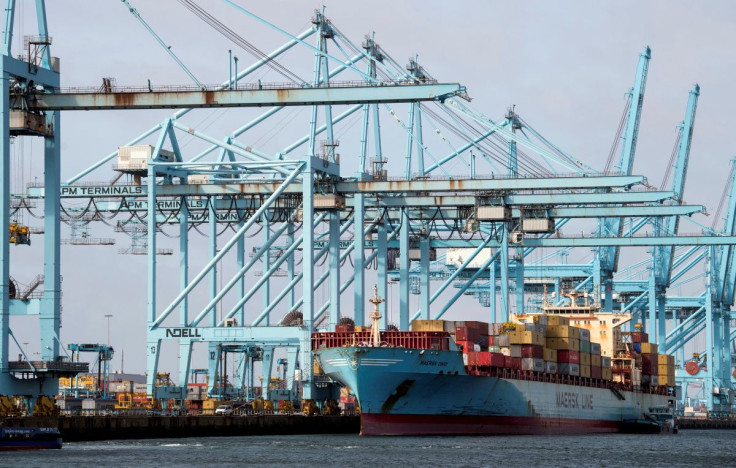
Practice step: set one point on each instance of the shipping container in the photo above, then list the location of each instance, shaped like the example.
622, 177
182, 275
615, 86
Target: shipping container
512, 363
565, 368
466, 334
526, 337
563, 331
584, 334
515, 350
471, 359
553, 320
596, 372
495, 329
532, 351
595, 348
606, 373
637, 347
346, 328
536, 327
563, 344
568, 356
531, 364
551, 367
584, 359
497, 360
541, 319
502, 340
596, 360
584, 371
505, 350
639, 337
550, 355
605, 361
488, 359
585, 346
650, 348
663, 369
465, 346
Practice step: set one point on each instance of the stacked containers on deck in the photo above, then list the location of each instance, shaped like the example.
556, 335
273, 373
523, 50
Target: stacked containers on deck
666, 369
546, 344
650, 369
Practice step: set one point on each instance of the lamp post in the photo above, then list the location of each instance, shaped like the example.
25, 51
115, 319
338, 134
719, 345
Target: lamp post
108, 317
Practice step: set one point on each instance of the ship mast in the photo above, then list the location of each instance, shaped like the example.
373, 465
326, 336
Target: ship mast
375, 330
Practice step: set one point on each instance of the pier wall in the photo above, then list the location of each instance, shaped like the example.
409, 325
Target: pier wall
84, 428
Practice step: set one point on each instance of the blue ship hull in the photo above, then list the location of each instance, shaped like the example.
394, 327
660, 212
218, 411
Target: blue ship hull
413, 391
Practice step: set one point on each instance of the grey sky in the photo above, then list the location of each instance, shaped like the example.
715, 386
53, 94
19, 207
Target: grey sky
565, 64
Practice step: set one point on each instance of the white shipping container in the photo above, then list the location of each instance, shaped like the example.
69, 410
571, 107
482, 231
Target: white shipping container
532, 364
595, 348
515, 350
501, 340
465, 359
493, 213
551, 367
605, 360
584, 334
538, 225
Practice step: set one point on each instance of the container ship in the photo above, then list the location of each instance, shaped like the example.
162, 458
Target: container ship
568, 369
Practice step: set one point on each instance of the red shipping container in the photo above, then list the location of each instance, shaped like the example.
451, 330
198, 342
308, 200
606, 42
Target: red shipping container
344, 328
512, 362
570, 357
472, 358
639, 337
465, 346
491, 339
484, 358
498, 360
480, 327
595, 372
532, 351
466, 334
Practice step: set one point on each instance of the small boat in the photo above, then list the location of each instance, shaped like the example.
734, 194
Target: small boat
29, 438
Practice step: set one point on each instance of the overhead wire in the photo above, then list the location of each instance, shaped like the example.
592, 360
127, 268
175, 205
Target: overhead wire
220, 27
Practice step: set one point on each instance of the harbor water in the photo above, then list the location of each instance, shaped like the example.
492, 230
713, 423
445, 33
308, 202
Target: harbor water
713, 448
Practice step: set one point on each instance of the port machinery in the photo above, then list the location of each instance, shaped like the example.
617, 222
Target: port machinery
307, 210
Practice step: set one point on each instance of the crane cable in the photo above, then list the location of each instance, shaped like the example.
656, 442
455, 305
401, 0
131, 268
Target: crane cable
218, 26
617, 139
